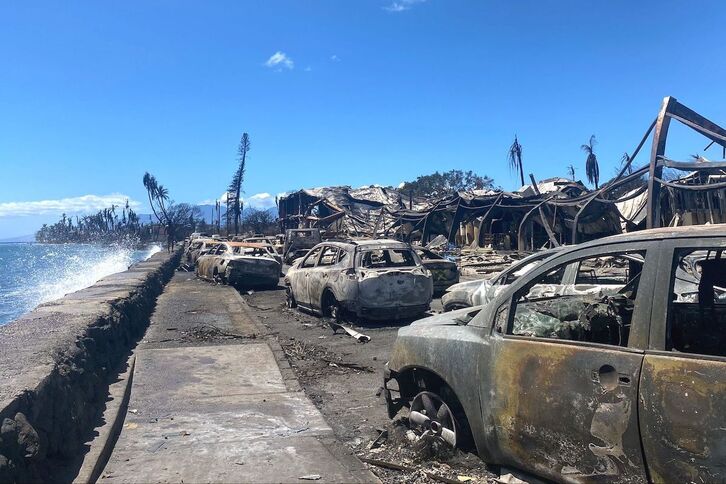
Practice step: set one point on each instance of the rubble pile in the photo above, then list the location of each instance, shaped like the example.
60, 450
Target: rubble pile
399, 454
486, 262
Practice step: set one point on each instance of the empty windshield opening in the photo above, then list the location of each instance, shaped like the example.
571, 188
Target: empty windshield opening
253, 251
388, 258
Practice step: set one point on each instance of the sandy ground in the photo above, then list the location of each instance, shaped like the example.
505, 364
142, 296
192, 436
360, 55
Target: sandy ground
343, 378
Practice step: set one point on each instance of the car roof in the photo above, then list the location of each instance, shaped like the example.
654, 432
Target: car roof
374, 242
662, 233
249, 245
364, 243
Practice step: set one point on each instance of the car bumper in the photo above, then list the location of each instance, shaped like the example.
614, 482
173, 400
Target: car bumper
392, 312
248, 279
455, 300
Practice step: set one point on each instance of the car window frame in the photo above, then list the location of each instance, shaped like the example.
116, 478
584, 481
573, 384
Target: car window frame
335, 257
362, 250
343, 254
311, 254
640, 327
662, 296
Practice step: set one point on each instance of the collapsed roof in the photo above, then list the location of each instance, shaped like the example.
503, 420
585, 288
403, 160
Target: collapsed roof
550, 212
503, 218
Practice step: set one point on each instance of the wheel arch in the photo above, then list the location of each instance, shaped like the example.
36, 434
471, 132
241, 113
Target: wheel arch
327, 292
413, 378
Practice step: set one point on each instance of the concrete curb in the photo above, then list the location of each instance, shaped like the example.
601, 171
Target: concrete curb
114, 416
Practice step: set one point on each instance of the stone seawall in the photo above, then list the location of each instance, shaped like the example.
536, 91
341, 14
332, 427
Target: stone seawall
55, 363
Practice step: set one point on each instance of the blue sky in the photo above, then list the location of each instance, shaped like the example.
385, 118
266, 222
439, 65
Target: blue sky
349, 92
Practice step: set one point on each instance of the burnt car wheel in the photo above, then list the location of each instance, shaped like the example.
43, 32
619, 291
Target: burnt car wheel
331, 307
431, 414
290, 298
217, 277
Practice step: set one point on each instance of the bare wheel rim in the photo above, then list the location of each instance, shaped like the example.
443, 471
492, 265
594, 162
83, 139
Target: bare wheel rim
289, 299
431, 414
334, 311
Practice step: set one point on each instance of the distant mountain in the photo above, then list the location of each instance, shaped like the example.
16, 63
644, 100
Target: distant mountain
21, 238
207, 212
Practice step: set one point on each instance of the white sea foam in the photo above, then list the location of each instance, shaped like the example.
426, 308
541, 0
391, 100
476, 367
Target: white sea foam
81, 272
38, 273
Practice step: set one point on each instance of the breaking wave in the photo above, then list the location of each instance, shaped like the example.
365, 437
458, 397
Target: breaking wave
31, 274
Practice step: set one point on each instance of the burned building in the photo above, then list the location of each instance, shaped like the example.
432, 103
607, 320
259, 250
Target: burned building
530, 218
550, 212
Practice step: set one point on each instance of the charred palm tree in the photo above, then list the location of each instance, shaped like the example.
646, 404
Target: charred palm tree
571, 172
592, 170
151, 188
235, 186
625, 163
514, 157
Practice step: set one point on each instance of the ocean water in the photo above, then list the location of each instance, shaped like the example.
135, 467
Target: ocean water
31, 274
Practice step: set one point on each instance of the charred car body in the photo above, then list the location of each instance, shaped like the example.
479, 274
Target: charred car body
240, 264
273, 241
298, 242
372, 279
443, 271
626, 386
197, 247
481, 291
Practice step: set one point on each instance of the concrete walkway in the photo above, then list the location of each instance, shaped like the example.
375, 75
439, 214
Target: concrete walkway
210, 403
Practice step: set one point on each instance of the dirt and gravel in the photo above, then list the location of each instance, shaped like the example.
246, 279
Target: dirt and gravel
343, 378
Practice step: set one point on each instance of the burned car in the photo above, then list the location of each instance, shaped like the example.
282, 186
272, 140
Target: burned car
196, 248
273, 241
298, 242
444, 272
628, 385
240, 264
269, 246
481, 291
372, 279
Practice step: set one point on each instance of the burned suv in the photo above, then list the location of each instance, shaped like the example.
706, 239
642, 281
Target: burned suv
624, 383
372, 279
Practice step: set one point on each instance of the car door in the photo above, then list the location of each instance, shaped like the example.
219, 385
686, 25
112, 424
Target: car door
683, 381
320, 275
300, 281
561, 393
